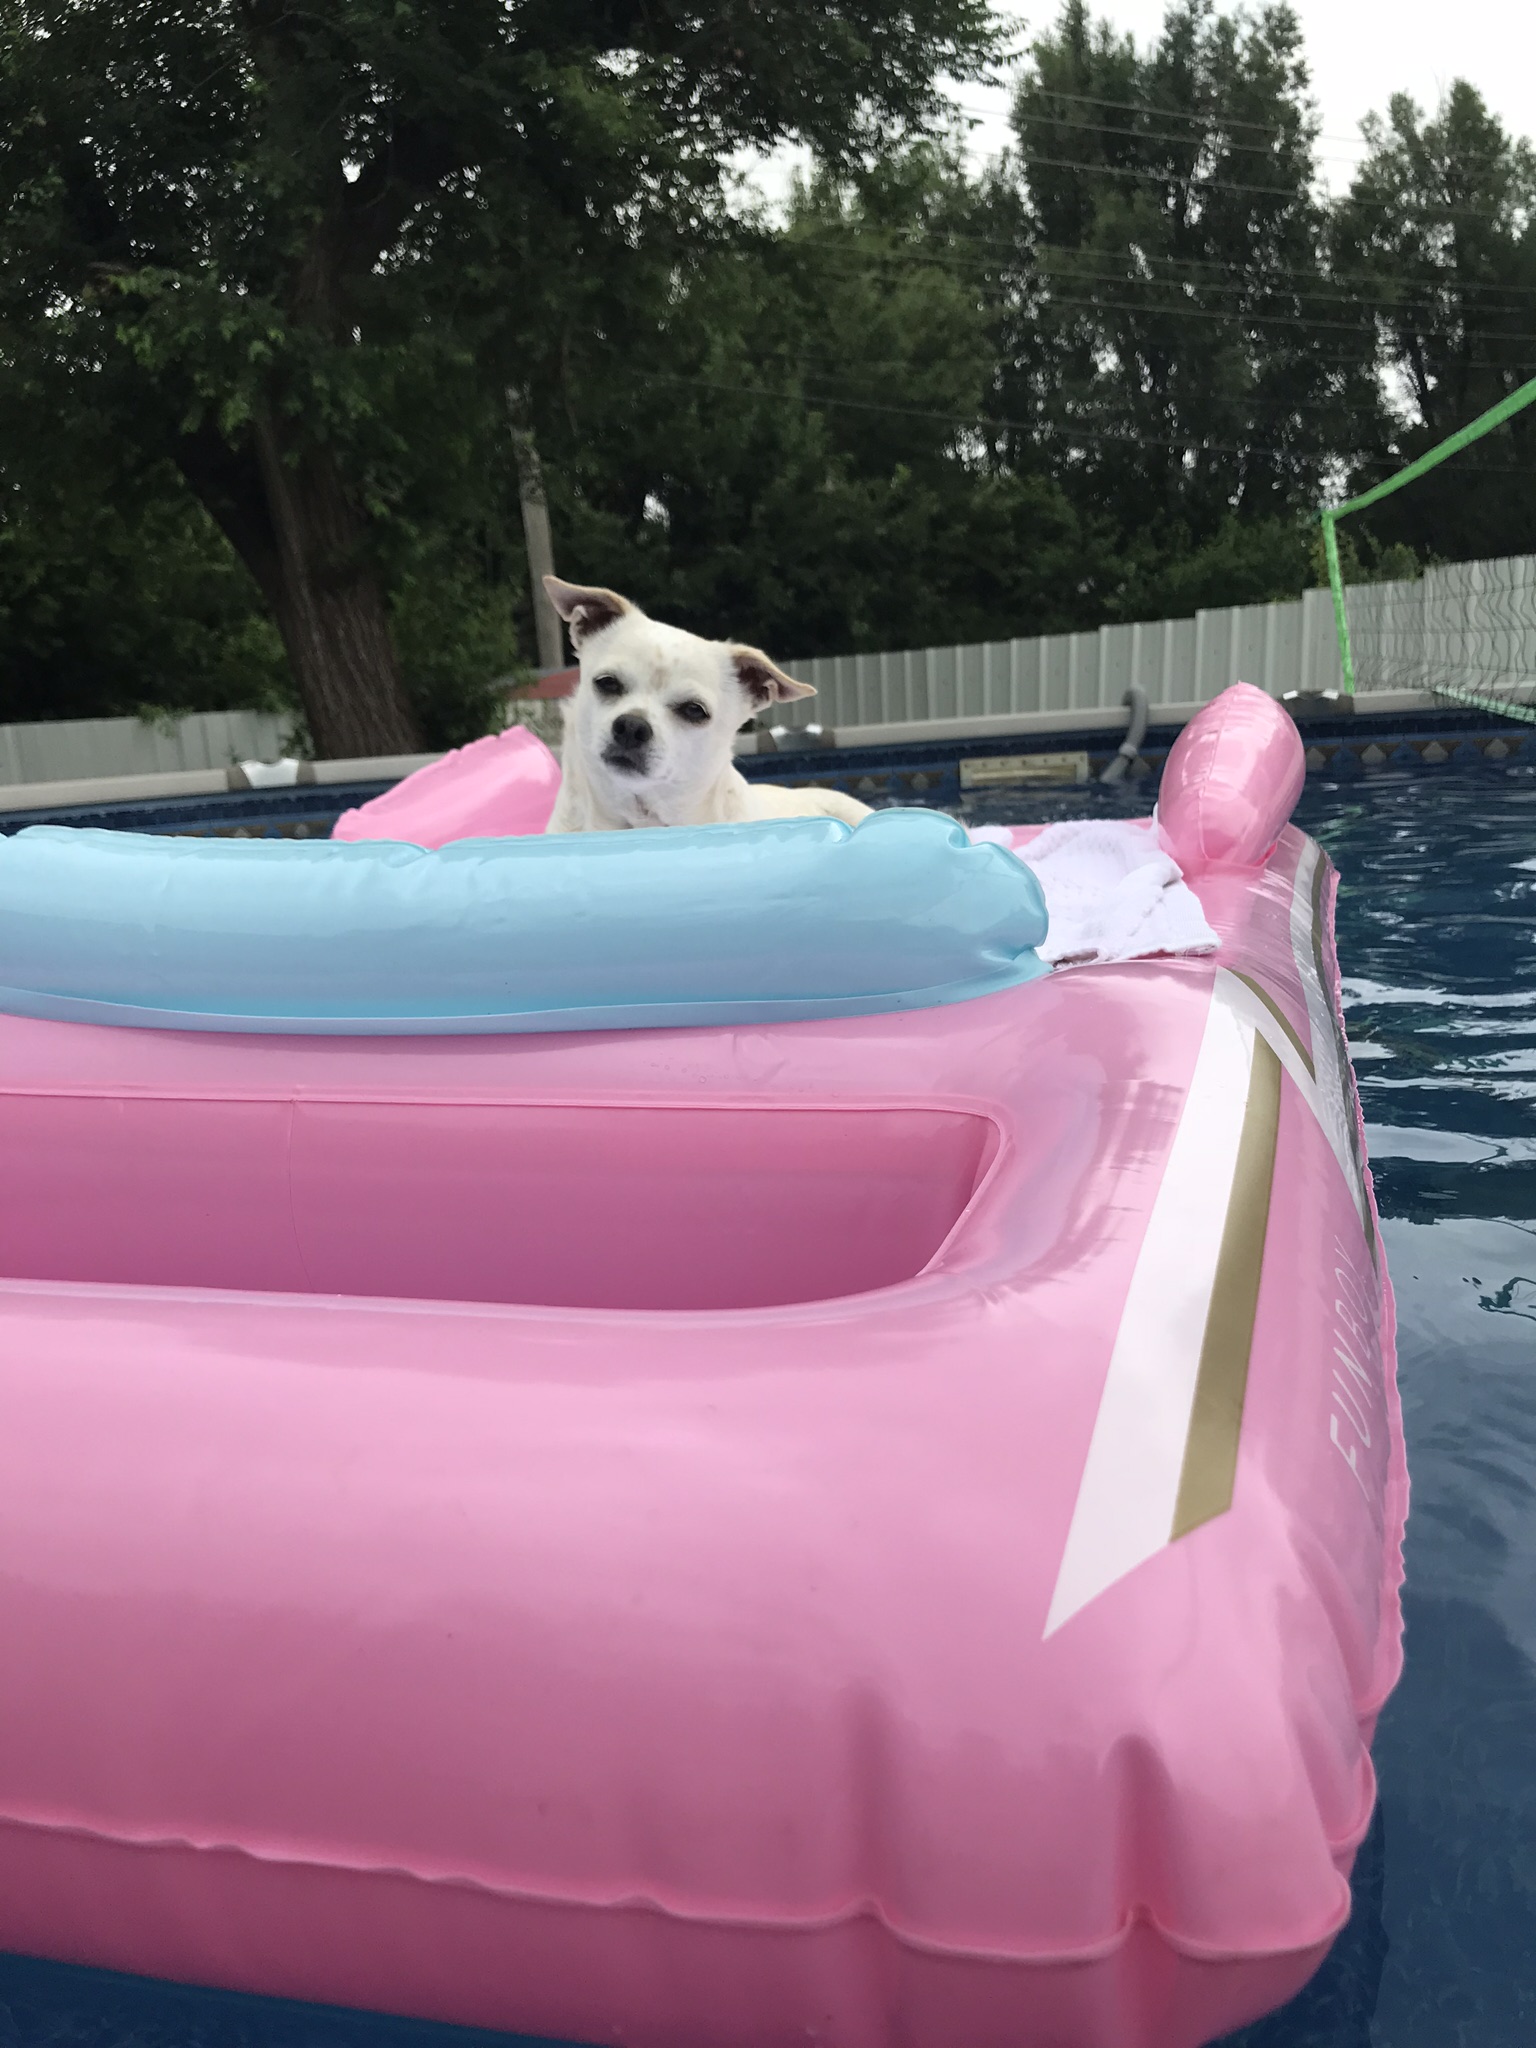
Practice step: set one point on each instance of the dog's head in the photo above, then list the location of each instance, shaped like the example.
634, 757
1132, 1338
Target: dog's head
656, 709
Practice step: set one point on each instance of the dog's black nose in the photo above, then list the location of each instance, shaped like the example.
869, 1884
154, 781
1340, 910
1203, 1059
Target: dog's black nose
631, 732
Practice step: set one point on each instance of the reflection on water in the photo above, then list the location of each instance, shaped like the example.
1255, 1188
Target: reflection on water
1437, 935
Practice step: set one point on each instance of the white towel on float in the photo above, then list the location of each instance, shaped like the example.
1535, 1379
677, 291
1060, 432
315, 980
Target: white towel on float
1110, 891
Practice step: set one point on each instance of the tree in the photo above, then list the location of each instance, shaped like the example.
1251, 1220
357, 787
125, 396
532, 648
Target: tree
114, 605
788, 447
1168, 329
1438, 236
292, 250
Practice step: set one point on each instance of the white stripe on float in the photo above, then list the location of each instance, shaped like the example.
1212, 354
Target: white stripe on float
1130, 1484
1126, 1501
1301, 915
1301, 951
1330, 1092
1332, 1100
1231, 991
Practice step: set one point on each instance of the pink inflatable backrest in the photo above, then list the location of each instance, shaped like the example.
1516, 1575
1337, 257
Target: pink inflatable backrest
494, 787
1231, 783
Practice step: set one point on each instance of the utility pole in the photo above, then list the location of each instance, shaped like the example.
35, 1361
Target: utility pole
541, 554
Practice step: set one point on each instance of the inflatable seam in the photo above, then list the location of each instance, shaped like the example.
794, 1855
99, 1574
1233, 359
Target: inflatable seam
679, 1014
1389, 1645
639, 1902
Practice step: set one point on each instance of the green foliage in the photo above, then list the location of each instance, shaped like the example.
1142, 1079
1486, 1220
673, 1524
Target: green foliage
295, 250
301, 254
1439, 234
456, 622
1174, 336
784, 450
112, 607
1172, 575
1364, 559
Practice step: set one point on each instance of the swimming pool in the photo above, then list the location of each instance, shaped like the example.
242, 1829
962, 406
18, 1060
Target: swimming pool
1437, 935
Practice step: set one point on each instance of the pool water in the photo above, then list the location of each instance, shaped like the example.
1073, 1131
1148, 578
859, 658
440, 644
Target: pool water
1437, 939
1437, 945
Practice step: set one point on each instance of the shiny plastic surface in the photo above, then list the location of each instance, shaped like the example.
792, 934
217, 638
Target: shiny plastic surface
722, 924
1231, 781
506, 783
630, 1207
990, 1656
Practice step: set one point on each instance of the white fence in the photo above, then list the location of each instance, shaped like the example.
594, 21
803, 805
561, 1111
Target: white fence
1279, 647
80, 749
1466, 629
1402, 640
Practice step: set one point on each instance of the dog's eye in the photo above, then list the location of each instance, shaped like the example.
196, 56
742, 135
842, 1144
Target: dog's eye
692, 712
608, 686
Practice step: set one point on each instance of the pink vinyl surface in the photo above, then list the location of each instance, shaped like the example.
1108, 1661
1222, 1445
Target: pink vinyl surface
1231, 781
504, 784
620, 1537
565, 1204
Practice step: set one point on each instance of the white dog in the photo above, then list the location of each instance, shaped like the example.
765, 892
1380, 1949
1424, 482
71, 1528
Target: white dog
648, 732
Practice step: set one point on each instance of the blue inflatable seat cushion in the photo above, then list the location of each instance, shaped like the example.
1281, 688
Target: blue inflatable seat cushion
722, 924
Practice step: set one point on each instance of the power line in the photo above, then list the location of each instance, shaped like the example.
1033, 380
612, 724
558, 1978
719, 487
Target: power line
969, 268
1064, 430
1250, 295
1212, 132
1230, 315
910, 235
818, 363
1313, 359
1092, 170
1084, 99
1291, 408
821, 368
1322, 285
961, 264
1246, 317
1031, 160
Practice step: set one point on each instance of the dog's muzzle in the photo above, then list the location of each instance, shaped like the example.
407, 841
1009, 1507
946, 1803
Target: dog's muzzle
629, 743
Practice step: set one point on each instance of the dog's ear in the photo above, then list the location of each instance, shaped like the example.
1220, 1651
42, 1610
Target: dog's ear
585, 608
764, 681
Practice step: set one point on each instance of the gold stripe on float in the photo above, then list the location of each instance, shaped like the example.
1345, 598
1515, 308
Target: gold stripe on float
1283, 1023
1341, 1054
1216, 1419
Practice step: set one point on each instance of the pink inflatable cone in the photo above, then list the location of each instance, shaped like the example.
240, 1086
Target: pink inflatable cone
493, 788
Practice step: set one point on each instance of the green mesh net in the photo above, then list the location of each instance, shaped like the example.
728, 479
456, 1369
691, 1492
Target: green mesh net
1465, 632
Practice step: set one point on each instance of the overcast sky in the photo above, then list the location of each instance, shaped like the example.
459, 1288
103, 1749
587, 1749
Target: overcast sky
1360, 53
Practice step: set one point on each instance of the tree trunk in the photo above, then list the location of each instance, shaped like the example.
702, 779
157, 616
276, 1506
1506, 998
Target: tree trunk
301, 538
329, 607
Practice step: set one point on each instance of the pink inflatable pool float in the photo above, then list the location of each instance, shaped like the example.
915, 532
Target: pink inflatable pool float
505, 783
879, 1526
